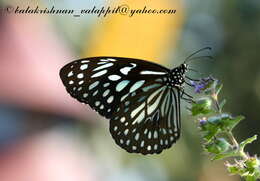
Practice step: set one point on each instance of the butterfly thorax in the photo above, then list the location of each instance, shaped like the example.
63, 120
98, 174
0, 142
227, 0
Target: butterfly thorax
177, 75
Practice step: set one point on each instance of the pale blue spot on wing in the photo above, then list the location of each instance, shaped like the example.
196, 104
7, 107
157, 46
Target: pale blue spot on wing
121, 85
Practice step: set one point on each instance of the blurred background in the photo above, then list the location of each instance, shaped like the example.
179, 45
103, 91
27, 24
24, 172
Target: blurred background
47, 135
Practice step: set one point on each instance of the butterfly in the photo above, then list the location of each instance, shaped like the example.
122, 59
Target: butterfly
140, 98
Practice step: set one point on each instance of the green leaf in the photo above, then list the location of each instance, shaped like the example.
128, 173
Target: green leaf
210, 134
247, 141
217, 146
231, 122
220, 156
212, 148
225, 121
222, 144
216, 120
220, 123
209, 130
202, 106
250, 178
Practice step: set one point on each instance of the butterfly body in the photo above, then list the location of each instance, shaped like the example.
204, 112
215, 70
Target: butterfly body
140, 98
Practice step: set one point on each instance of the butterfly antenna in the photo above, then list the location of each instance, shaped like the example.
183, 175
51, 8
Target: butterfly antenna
195, 71
200, 57
202, 49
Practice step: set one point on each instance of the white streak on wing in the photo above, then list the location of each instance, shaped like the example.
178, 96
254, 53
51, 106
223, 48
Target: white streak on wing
106, 84
111, 59
106, 93
163, 110
174, 106
149, 135
169, 101
110, 99
121, 85
149, 147
147, 88
154, 94
99, 73
123, 98
158, 80
93, 85
151, 108
139, 118
125, 70
134, 112
137, 136
136, 85
99, 63
177, 110
134, 65
114, 77
84, 61
148, 72
104, 60
155, 134
70, 74
80, 76
84, 67
103, 66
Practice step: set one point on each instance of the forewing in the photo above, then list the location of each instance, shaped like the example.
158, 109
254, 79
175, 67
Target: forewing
101, 82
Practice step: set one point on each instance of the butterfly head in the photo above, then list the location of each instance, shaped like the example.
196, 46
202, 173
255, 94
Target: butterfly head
178, 74
183, 68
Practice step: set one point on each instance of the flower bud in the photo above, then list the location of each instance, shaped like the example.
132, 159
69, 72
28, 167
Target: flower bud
252, 163
202, 121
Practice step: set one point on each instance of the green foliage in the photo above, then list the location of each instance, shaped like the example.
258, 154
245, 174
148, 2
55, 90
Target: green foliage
218, 145
202, 106
216, 128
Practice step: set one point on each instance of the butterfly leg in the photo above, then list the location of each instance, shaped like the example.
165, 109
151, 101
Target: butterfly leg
196, 80
188, 84
189, 99
184, 93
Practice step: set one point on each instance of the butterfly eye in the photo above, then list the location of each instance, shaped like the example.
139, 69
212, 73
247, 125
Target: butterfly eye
140, 98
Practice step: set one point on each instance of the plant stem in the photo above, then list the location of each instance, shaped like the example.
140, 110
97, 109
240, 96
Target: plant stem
215, 99
217, 105
229, 133
233, 140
